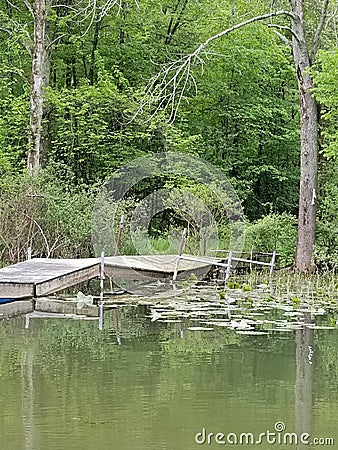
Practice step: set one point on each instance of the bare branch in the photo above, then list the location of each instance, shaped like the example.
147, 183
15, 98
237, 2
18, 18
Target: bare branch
15, 72
13, 6
6, 30
319, 30
62, 5
13, 31
167, 88
333, 15
243, 24
283, 38
55, 40
332, 18
285, 28
42, 233
92, 10
28, 6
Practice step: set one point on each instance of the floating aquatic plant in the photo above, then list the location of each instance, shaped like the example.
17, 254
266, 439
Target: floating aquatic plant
200, 329
246, 287
255, 304
84, 300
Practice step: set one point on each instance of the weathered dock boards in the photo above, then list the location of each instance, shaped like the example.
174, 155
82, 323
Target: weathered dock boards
41, 276
153, 266
17, 308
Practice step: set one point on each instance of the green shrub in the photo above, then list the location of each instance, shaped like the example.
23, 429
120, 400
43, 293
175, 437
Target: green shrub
42, 214
273, 232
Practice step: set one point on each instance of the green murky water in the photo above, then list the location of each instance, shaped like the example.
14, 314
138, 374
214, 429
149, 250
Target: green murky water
67, 385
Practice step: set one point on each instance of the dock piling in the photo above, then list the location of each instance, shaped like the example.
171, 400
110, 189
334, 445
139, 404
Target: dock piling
102, 275
273, 260
228, 269
180, 251
117, 331
101, 315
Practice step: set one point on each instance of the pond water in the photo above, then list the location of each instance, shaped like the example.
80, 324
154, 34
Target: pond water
170, 384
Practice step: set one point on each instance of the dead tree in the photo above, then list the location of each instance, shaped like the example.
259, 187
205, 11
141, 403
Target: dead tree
167, 89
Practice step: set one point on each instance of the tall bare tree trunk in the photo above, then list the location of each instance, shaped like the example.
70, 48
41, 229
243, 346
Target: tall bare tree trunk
39, 81
309, 142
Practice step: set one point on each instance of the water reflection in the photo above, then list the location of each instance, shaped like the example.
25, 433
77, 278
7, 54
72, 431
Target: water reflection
27, 397
117, 330
68, 385
303, 391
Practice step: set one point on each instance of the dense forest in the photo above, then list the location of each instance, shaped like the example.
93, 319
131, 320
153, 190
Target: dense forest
89, 85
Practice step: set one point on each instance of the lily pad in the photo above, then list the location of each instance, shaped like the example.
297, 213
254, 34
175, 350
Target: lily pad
285, 329
219, 324
253, 333
200, 329
84, 300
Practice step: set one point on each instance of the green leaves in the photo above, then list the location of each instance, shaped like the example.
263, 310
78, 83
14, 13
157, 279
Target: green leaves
325, 75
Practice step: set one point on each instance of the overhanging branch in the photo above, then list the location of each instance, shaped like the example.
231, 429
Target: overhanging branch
284, 28
167, 88
241, 25
283, 38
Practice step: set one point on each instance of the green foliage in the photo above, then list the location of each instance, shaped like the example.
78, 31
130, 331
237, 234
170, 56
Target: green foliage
325, 75
326, 250
326, 92
244, 111
42, 214
233, 285
14, 121
295, 300
273, 232
246, 287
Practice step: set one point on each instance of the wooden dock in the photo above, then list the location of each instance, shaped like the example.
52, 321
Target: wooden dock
44, 276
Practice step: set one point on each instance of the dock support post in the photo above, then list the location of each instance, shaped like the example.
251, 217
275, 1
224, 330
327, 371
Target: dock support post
228, 271
117, 331
101, 315
117, 248
273, 260
181, 329
102, 275
180, 251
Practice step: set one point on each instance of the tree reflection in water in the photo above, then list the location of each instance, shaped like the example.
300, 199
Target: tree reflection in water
303, 390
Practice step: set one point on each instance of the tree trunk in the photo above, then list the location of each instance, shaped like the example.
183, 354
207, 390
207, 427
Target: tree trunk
309, 143
39, 81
